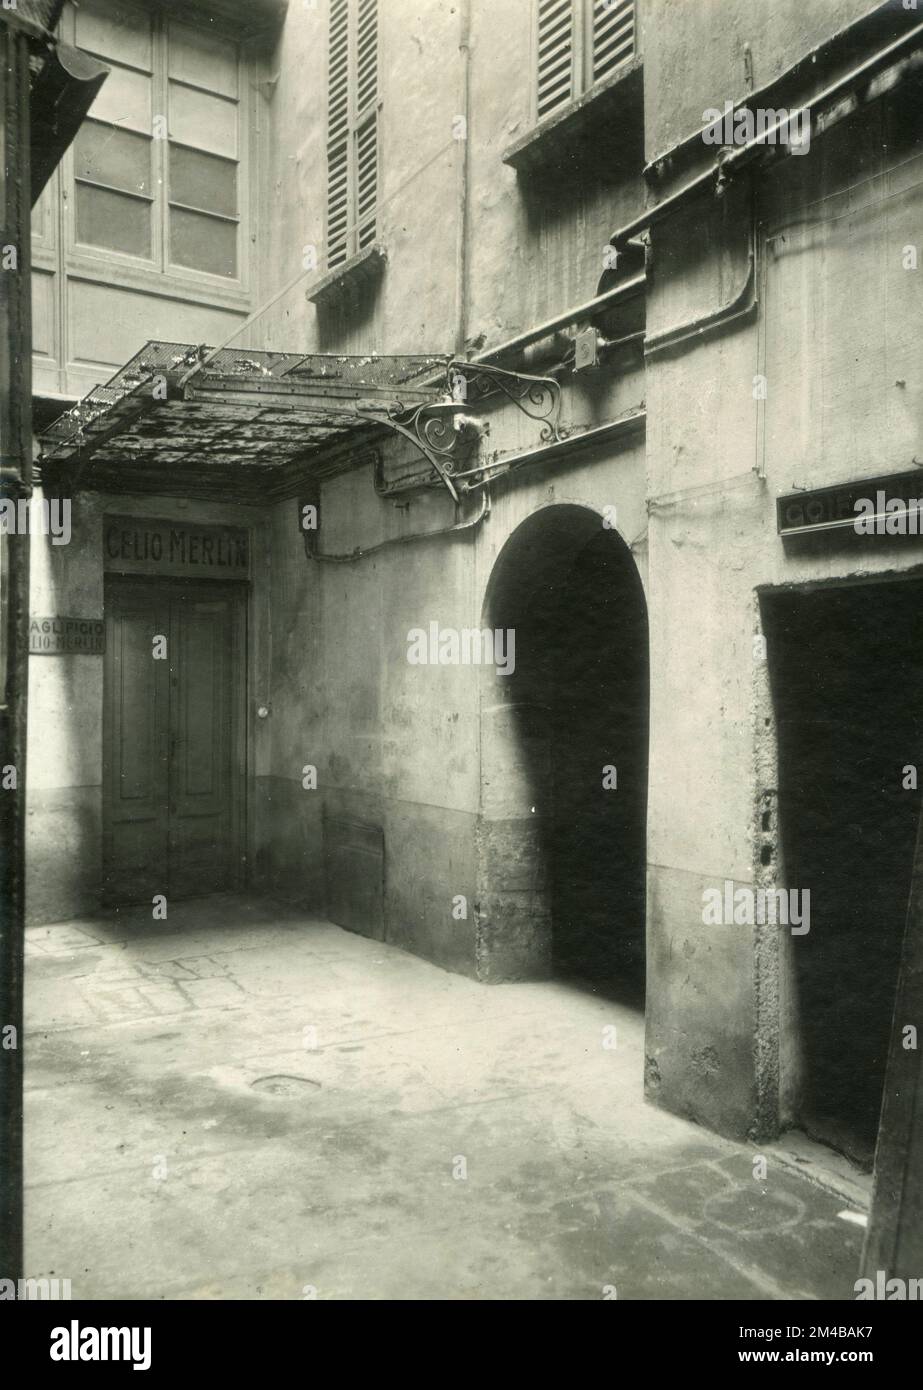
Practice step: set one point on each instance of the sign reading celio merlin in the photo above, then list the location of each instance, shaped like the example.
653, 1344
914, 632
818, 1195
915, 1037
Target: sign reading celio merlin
179, 549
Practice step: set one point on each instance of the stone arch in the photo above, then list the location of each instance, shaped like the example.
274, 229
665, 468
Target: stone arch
561, 856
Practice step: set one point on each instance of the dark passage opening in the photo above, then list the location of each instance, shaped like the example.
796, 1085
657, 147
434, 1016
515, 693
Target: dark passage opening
846, 669
599, 700
580, 693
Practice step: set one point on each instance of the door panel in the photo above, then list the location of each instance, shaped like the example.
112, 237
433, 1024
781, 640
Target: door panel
136, 777
202, 855
174, 765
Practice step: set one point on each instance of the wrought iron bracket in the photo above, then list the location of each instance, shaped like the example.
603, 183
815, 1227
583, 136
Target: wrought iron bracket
436, 427
538, 397
435, 430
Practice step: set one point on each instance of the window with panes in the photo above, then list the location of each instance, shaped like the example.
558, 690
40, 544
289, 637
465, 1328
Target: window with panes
157, 165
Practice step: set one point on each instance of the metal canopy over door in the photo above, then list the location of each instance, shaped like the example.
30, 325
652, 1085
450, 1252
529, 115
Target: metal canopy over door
173, 730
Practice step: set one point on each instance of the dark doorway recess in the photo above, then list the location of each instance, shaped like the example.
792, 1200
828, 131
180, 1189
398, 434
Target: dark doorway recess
846, 668
579, 698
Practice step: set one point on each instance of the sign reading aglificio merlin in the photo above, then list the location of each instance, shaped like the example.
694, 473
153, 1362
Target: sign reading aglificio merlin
59, 636
188, 550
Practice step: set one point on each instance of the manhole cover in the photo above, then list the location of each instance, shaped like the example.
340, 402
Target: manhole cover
754, 1208
284, 1086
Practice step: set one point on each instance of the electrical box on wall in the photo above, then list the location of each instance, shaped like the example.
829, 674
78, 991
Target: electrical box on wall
586, 350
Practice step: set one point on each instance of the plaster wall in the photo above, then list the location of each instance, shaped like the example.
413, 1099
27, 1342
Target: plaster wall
833, 348
701, 55
400, 746
531, 248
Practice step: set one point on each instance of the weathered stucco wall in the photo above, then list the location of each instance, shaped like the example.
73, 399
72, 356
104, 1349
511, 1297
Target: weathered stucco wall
538, 241
835, 343
415, 786
696, 54
414, 308
398, 746
288, 849
534, 246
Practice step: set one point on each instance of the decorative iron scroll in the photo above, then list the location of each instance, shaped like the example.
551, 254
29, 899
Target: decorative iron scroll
539, 397
434, 430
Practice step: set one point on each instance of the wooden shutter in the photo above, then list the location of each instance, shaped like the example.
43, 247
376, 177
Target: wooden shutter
338, 134
613, 35
367, 119
352, 128
555, 76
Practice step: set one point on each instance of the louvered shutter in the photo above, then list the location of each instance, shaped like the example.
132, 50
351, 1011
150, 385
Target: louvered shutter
338, 134
613, 35
555, 55
367, 121
352, 128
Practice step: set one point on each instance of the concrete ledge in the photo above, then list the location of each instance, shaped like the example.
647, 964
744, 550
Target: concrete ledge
614, 107
359, 271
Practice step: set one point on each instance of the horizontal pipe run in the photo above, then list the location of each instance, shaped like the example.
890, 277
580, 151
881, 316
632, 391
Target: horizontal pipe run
546, 453
551, 326
359, 554
722, 168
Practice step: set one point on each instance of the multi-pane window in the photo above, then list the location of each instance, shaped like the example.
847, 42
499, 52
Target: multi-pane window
352, 128
579, 43
157, 162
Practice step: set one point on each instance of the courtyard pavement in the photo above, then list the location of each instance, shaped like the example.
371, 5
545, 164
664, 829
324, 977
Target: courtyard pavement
245, 1101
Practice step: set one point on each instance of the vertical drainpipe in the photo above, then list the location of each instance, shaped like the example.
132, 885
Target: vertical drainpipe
15, 484
464, 166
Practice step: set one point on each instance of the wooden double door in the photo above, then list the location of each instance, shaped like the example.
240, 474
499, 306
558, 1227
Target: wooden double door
173, 739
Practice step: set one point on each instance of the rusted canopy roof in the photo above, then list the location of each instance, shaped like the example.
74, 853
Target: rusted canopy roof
251, 425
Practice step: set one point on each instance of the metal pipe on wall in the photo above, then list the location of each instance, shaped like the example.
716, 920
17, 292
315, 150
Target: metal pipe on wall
15, 484
718, 173
462, 264
635, 285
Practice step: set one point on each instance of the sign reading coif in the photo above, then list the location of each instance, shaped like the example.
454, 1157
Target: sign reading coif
889, 505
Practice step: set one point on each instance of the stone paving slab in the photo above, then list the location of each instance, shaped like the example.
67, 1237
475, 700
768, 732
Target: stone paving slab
246, 1102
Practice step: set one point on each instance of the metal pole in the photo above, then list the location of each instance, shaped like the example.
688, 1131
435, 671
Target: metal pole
15, 485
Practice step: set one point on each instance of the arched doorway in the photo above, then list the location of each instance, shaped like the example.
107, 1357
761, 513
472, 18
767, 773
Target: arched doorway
564, 759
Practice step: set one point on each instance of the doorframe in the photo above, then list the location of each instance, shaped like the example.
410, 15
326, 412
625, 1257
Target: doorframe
776, 1037
239, 591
